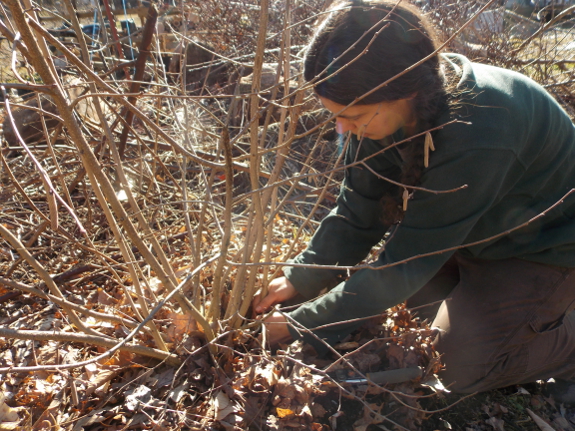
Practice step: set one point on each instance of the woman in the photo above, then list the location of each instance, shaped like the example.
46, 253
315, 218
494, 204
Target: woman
456, 217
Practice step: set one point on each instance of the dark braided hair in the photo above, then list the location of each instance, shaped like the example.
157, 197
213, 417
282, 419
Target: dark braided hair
363, 44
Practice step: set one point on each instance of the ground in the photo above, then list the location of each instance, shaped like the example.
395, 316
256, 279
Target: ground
231, 383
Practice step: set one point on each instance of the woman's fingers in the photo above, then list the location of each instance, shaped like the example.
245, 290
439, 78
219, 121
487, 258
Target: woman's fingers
256, 302
265, 304
279, 290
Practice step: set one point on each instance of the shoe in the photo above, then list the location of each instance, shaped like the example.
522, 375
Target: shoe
563, 391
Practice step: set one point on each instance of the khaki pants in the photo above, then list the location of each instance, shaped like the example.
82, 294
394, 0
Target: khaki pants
502, 322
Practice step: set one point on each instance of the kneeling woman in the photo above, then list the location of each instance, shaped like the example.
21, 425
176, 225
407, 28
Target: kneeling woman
457, 218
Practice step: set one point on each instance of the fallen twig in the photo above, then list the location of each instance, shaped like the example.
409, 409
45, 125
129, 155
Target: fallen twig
81, 338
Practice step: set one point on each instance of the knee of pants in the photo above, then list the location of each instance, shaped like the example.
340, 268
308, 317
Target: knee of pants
473, 366
464, 363
459, 337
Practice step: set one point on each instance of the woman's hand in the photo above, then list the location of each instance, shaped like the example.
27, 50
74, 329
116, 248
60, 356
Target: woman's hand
275, 325
279, 290
276, 330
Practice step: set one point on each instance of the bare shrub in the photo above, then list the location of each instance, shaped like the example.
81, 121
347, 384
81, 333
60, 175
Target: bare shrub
128, 242
502, 37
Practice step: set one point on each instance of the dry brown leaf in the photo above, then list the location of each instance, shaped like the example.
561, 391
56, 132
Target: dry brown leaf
368, 418
222, 406
395, 355
366, 361
121, 359
177, 393
90, 370
45, 425
181, 324
349, 345
499, 409
305, 413
155, 284
105, 298
411, 359
184, 270
37, 391
285, 389
272, 423
264, 377
318, 410
99, 379
136, 397
303, 393
47, 421
537, 402
11, 418
284, 413
292, 423
496, 423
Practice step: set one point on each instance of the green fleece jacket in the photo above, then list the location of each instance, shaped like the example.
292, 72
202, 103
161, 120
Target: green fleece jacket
513, 150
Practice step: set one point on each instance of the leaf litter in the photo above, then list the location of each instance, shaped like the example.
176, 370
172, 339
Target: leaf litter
241, 386
244, 387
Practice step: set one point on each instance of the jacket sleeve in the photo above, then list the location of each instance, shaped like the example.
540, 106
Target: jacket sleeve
348, 233
432, 224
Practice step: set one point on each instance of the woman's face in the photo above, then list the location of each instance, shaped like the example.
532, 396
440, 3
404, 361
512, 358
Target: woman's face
373, 121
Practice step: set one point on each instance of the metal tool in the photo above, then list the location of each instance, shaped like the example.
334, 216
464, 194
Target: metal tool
382, 377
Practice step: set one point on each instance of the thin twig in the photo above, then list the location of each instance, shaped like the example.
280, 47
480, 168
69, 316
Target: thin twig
78, 338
